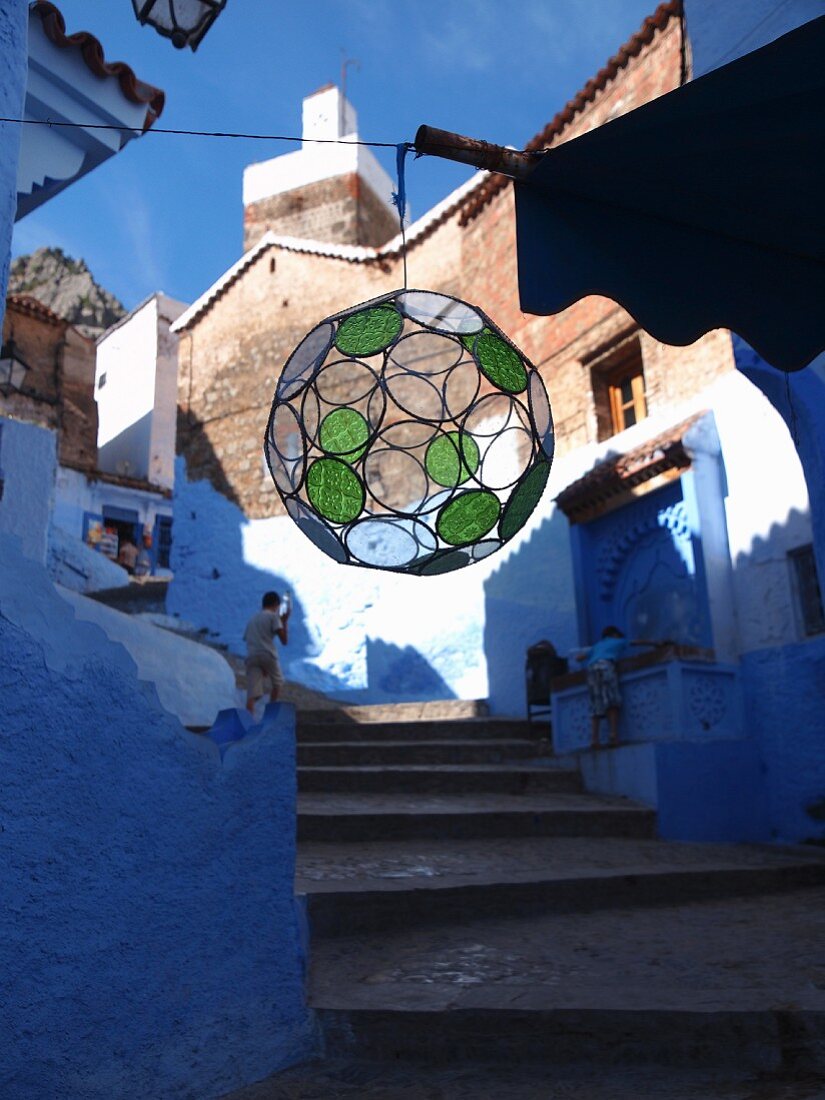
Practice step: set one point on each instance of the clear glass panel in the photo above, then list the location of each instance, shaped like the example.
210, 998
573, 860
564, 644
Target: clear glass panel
303, 362
542, 417
505, 457
439, 312
426, 353
460, 388
415, 395
345, 382
395, 479
285, 449
382, 542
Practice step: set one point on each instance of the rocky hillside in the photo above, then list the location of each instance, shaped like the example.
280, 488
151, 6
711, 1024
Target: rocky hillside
66, 286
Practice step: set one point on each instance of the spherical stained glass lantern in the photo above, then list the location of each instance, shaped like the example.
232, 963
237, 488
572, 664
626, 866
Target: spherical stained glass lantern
409, 434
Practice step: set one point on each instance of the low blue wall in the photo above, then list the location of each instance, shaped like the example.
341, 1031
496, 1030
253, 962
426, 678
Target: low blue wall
670, 701
785, 713
702, 791
149, 942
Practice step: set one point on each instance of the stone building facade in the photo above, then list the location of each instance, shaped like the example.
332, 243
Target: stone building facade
58, 388
235, 339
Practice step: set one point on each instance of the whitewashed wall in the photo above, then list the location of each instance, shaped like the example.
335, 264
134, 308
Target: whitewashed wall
164, 415
767, 511
127, 355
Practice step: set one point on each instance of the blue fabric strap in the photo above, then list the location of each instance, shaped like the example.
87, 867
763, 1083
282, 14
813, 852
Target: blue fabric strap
399, 197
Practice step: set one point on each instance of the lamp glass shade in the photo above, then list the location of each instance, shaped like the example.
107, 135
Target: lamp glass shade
409, 434
185, 22
12, 368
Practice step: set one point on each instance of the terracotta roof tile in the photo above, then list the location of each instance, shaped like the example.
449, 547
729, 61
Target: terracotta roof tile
616, 476
654, 23
32, 307
136, 91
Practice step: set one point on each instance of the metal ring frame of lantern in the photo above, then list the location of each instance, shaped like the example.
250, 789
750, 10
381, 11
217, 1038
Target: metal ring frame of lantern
409, 434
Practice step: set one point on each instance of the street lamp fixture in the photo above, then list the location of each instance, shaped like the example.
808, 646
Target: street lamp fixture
184, 21
12, 368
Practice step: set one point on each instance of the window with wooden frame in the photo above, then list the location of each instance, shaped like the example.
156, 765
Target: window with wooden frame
618, 381
626, 388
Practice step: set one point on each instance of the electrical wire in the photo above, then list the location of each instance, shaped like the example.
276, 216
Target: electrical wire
194, 133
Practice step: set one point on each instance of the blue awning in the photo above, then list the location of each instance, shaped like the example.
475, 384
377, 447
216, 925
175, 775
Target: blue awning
703, 209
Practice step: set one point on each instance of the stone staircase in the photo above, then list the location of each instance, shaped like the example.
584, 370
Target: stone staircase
479, 926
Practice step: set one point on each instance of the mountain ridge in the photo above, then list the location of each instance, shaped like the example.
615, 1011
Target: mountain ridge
67, 287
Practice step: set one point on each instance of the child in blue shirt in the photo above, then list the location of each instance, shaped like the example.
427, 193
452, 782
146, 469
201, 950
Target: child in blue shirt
603, 680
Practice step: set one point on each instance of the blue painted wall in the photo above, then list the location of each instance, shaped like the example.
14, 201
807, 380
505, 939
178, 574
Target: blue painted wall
785, 712
640, 567
711, 791
530, 596
785, 685
149, 943
13, 36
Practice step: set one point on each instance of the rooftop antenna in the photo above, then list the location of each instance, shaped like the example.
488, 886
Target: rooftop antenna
345, 61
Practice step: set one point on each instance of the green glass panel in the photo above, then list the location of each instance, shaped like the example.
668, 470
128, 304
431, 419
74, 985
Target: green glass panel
524, 499
502, 365
334, 490
452, 458
345, 432
468, 517
369, 331
444, 563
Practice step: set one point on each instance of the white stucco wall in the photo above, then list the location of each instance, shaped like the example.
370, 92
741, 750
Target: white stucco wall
767, 510
137, 404
193, 682
164, 416
28, 457
127, 355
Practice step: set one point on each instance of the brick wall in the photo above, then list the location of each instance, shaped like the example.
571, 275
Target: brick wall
232, 355
341, 210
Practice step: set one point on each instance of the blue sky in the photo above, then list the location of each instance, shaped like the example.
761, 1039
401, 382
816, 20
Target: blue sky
166, 214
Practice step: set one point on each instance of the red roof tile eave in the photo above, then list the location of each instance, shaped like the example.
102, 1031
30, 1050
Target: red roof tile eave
654, 23
614, 476
33, 307
135, 90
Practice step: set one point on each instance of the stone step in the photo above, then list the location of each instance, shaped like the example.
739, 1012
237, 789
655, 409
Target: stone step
353, 1078
349, 714
342, 754
734, 982
466, 729
401, 817
440, 779
757, 1040
358, 888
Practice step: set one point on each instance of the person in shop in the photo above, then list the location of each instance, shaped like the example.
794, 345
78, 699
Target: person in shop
127, 555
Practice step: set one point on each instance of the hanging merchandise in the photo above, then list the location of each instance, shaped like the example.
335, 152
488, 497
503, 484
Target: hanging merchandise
409, 434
